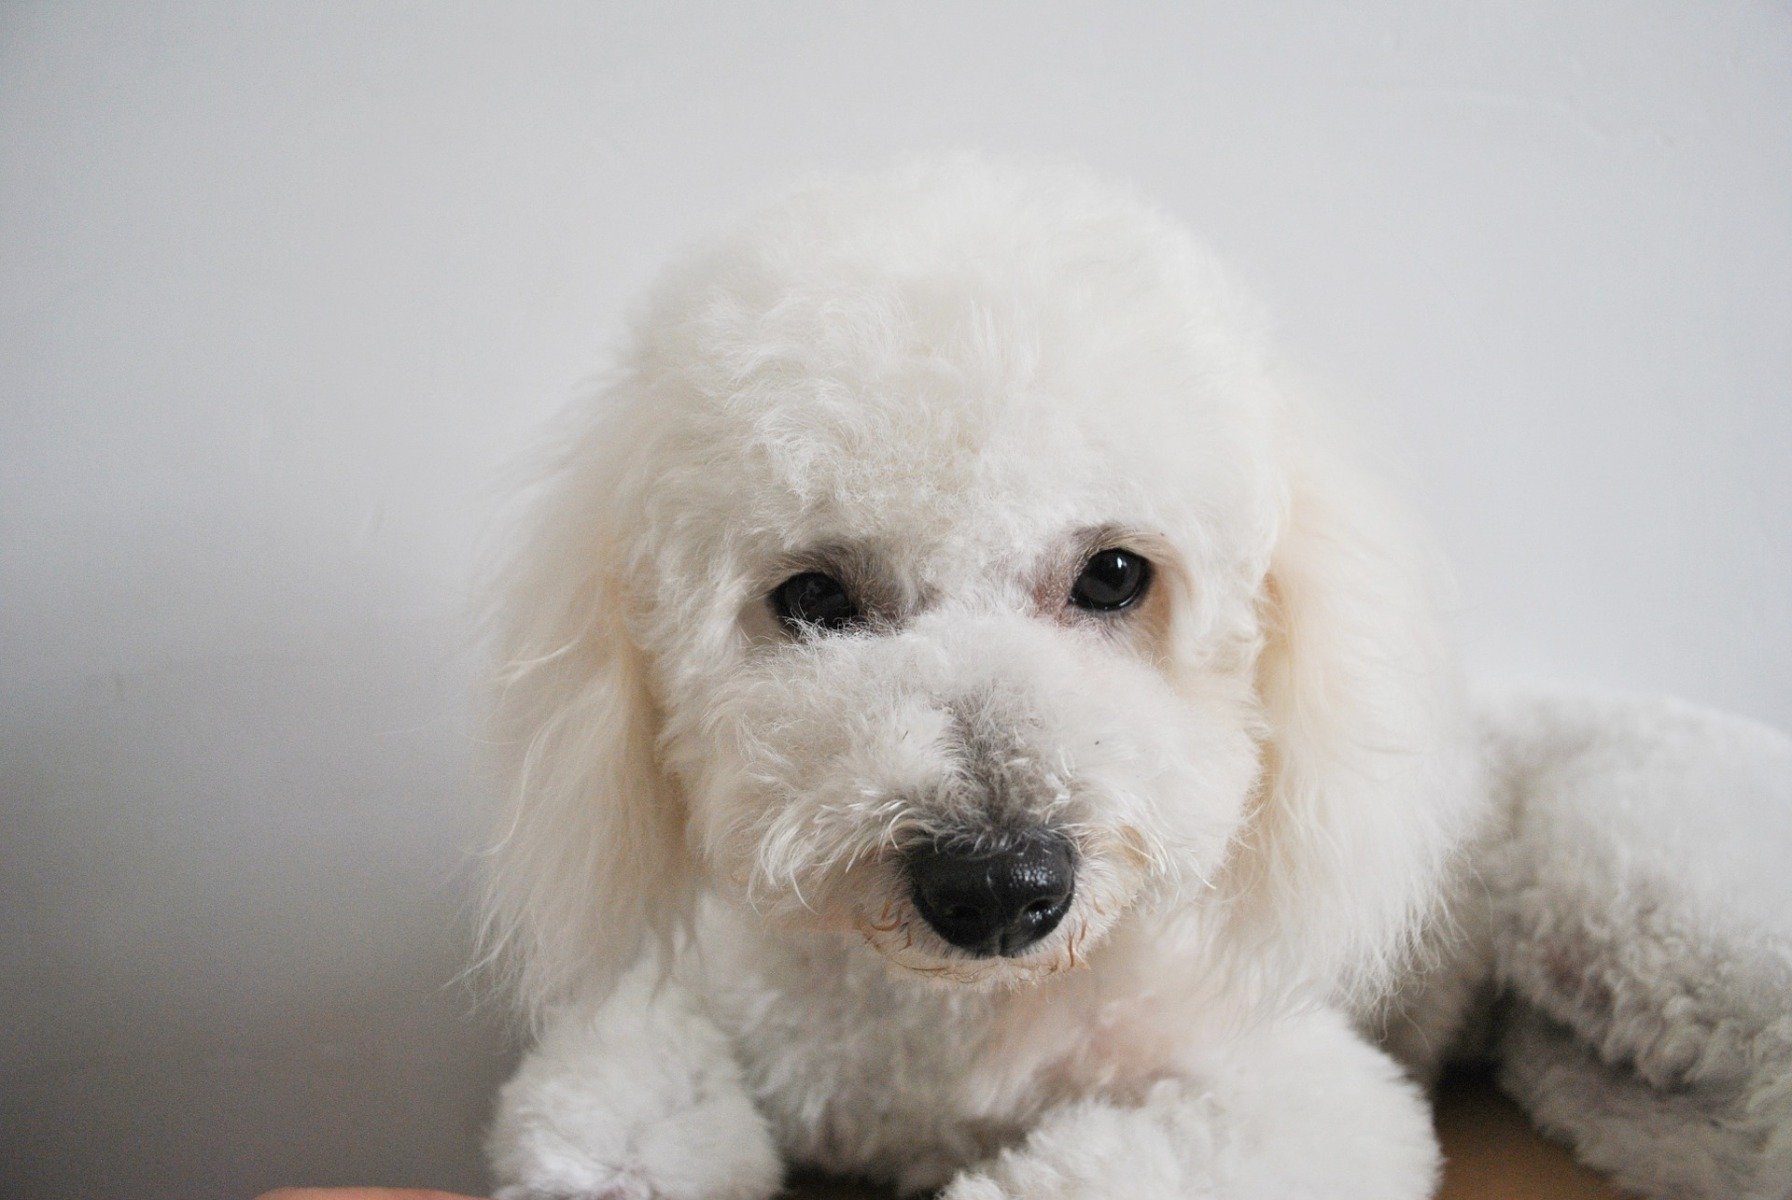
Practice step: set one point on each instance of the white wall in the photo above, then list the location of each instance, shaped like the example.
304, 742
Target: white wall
282, 285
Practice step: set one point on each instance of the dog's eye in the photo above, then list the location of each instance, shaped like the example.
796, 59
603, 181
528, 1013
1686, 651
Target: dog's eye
814, 599
1111, 580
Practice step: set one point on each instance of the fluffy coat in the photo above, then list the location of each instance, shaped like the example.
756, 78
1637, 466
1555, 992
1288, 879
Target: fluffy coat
1307, 870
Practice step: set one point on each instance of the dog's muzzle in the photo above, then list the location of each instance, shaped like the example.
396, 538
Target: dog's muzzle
993, 897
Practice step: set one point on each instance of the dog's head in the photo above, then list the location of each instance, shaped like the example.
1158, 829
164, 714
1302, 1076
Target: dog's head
943, 569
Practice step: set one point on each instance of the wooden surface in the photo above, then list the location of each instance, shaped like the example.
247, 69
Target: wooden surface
1491, 1153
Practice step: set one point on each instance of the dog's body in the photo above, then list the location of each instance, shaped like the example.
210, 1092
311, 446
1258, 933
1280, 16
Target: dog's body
969, 732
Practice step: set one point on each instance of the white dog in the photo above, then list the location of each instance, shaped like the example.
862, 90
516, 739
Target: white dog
968, 730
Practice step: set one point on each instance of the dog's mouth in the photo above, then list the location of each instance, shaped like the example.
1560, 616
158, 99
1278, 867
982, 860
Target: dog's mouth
1000, 902
910, 944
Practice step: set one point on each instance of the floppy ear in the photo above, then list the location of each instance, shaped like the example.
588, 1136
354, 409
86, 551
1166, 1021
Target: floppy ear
589, 863
1360, 797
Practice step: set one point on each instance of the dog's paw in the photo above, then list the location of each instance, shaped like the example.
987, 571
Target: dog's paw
1096, 1151
703, 1176
619, 1191
975, 1187
1015, 1177
1008, 1185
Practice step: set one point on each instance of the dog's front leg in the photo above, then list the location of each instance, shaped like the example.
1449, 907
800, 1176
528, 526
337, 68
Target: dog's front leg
639, 1098
1296, 1110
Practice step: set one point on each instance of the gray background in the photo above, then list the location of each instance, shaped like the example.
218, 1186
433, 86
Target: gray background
283, 286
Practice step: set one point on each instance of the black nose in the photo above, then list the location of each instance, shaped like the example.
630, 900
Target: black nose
993, 898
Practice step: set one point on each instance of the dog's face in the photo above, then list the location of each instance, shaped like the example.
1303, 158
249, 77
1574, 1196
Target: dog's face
929, 582
953, 656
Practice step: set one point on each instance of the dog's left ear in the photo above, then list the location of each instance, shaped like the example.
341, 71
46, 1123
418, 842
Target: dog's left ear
1358, 690
589, 868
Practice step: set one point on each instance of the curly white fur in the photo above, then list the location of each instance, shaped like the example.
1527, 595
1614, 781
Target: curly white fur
947, 383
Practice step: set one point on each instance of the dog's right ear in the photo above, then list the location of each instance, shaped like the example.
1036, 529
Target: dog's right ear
588, 866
